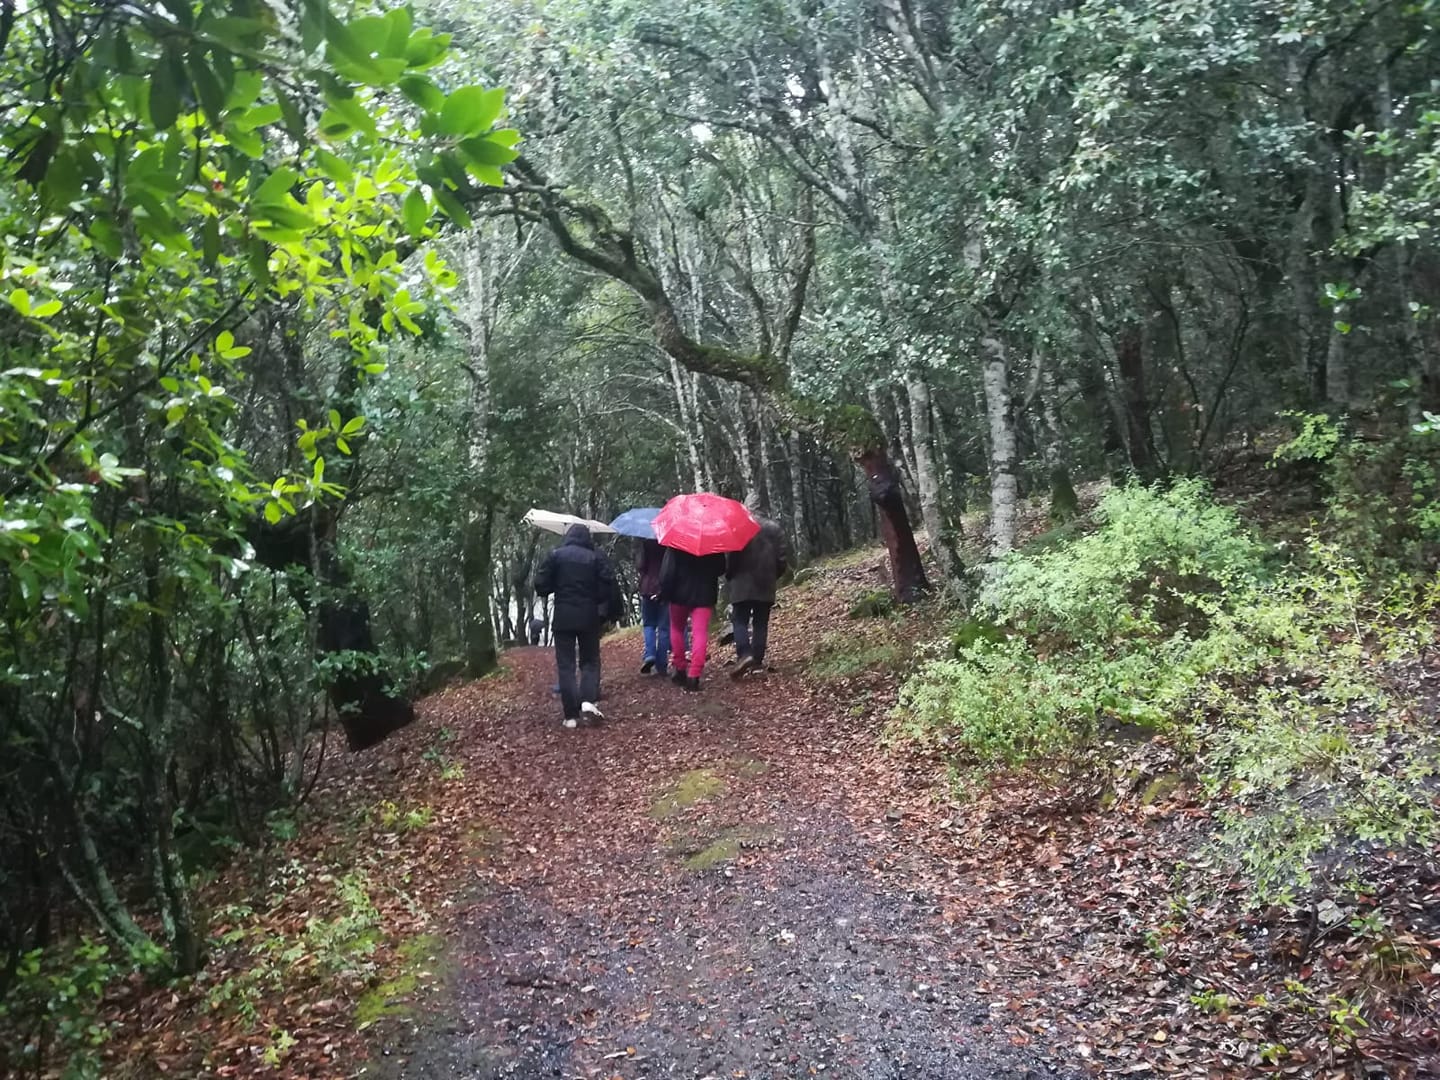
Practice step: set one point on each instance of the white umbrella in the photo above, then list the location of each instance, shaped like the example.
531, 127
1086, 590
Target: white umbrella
559, 523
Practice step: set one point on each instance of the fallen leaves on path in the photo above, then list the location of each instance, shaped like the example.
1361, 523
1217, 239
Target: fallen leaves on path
746, 882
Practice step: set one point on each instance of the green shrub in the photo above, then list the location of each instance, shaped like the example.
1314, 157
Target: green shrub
1167, 615
1116, 626
1139, 573
1382, 493
53, 1007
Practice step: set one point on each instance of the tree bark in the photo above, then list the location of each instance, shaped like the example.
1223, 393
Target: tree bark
172, 890
933, 511
907, 573
799, 534
1064, 504
1004, 483
1140, 441
479, 629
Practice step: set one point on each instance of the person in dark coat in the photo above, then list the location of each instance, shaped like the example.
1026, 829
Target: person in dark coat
654, 612
583, 583
753, 573
690, 584
537, 630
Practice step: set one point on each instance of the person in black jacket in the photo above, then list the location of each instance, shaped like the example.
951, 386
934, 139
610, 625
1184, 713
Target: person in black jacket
690, 584
583, 584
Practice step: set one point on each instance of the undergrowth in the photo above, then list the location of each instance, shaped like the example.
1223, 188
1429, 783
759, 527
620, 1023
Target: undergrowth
1267, 662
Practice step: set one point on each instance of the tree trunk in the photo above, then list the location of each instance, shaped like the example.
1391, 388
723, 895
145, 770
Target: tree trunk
932, 509
768, 472
799, 535
172, 890
1337, 368
690, 423
479, 635
1064, 503
1140, 442
906, 570
1004, 484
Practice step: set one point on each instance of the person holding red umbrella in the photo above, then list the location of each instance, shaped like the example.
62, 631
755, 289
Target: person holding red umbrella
696, 532
690, 584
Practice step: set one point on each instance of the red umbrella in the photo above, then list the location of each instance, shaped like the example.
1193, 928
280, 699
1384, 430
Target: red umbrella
705, 524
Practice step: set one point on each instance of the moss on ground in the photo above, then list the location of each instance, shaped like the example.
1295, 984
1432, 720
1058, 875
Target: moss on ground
723, 847
690, 788
421, 956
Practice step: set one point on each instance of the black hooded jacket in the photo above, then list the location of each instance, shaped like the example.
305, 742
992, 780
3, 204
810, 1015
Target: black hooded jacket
690, 581
583, 583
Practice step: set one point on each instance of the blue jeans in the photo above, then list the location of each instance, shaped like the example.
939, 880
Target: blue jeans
655, 619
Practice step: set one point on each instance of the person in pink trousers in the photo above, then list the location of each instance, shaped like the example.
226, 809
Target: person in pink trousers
690, 584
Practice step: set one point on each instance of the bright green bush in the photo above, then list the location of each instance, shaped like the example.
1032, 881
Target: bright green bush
1167, 616
1140, 572
1115, 626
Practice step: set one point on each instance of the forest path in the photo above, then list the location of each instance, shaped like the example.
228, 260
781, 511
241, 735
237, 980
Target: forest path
701, 887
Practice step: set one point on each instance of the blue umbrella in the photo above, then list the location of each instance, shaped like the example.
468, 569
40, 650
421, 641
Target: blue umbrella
636, 523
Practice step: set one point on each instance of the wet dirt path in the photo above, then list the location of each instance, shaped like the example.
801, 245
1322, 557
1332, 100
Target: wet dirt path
694, 889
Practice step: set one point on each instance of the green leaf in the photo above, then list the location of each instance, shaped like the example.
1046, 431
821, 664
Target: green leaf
287, 215
421, 89
354, 424
257, 260
399, 24
471, 110
276, 186
453, 207
349, 112
342, 445
247, 142
20, 301
294, 116
45, 310
335, 168
426, 49
416, 212
371, 33
334, 417
167, 86
259, 116
175, 413
485, 151
62, 180
207, 88
210, 242
272, 513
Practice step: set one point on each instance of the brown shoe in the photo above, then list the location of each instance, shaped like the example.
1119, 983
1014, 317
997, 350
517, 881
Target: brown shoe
743, 668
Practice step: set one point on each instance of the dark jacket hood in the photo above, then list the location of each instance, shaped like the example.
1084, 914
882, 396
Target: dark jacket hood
579, 534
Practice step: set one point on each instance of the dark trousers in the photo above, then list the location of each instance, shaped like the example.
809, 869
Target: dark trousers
587, 644
751, 623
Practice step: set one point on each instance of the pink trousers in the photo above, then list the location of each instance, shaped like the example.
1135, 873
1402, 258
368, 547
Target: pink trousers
699, 637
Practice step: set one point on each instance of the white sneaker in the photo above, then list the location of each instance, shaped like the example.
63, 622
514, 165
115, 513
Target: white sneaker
569, 722
591, 711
